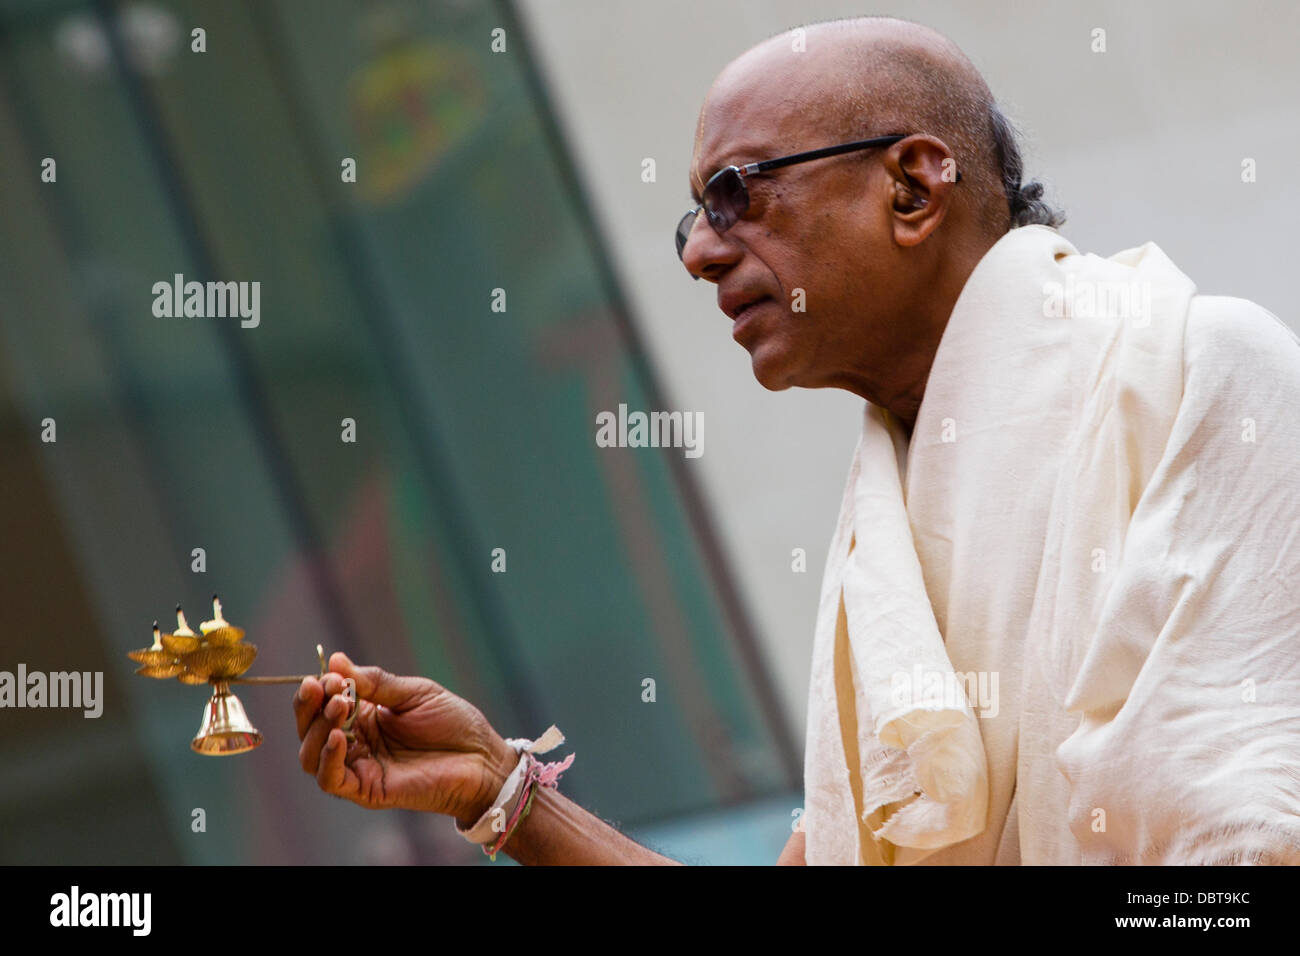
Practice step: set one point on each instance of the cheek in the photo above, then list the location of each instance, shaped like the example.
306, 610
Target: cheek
807, 255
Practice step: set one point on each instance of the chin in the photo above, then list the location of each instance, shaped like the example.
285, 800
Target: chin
772, 371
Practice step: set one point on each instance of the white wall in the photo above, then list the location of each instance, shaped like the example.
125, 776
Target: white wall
1142, 142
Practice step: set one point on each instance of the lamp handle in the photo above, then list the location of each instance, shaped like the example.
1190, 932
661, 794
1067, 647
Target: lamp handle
288, 679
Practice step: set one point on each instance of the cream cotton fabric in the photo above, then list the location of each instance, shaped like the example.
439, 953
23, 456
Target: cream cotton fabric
1097, 514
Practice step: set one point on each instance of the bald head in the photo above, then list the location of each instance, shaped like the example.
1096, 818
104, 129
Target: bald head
869, 76
841, 271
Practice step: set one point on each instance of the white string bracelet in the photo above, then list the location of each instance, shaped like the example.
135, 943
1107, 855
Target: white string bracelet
492, 825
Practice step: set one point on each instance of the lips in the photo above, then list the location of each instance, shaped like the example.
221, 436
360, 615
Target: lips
734, 303
742, 320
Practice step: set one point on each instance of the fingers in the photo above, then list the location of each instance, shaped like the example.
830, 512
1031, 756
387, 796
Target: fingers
332, 684
380, 687
306, 704
333, 773
319, 731
312, 692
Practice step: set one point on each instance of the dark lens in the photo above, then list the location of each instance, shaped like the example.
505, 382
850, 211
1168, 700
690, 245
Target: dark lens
684, 231
726, 198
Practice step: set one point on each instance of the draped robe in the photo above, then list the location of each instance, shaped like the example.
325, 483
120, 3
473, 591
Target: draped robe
1097, 512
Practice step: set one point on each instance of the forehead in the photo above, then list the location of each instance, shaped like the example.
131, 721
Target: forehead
759, 108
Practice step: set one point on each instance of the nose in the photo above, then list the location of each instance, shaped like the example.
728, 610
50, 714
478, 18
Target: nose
706, 254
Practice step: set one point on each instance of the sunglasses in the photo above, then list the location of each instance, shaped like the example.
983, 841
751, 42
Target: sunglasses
726, 198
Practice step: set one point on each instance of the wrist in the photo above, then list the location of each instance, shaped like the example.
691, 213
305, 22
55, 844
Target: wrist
498, 762
520, 841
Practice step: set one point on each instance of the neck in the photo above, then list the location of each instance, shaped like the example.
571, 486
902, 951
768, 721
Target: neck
903, 391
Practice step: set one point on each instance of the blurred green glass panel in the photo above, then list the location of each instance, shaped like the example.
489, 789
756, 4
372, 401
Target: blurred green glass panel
474, 426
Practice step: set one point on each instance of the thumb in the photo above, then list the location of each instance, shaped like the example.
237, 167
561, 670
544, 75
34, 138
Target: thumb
379, 686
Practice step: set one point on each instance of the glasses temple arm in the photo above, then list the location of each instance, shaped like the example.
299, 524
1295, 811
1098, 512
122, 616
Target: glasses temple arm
768, 164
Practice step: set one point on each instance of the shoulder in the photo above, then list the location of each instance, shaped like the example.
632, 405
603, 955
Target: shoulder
1241, 374
1222, 330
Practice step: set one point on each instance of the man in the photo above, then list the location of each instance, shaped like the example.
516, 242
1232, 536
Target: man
1074, 504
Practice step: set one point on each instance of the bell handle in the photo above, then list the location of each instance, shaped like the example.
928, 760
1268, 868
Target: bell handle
287, 679
290, 679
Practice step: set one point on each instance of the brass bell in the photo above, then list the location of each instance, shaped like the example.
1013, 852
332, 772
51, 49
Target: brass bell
226, 729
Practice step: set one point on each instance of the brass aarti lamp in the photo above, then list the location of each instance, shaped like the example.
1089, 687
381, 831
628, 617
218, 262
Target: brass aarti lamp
218, 656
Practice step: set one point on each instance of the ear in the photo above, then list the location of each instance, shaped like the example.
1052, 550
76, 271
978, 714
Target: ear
923, 173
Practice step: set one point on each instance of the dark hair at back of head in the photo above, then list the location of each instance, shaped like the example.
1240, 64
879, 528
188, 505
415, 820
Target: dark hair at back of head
1025, 200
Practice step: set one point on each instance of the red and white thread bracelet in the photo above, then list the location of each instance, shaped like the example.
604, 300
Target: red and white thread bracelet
517, 790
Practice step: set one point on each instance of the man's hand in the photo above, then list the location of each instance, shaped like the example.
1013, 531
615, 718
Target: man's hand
418, 746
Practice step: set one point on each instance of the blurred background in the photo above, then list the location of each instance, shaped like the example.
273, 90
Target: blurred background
477, 170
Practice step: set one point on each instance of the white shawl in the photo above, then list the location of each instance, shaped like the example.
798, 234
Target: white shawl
1098, 519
